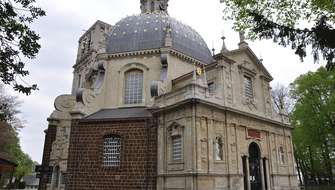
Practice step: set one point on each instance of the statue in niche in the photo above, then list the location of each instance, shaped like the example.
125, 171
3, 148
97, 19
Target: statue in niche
218, 148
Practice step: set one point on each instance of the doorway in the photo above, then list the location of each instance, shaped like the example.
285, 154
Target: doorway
255, 176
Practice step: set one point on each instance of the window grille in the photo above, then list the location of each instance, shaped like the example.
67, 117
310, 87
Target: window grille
248, 90
219, 149
62, 178
49, 177
112, 151
177, 148
133, 87
56, 177
211, 87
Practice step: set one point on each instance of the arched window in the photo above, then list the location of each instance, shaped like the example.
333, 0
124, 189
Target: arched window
112, 151
219, 149
133, 91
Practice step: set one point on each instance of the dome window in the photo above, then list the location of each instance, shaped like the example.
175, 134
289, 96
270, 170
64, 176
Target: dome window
133, 91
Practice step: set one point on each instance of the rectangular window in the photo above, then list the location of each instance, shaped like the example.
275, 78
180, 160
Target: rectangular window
211, 87
112, 151
177, 148
62, 178
56, 176
49, 177
248, 89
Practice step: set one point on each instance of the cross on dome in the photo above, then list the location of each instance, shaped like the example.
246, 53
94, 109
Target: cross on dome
154, 6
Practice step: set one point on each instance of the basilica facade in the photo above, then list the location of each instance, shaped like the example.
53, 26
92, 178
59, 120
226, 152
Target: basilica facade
152, 108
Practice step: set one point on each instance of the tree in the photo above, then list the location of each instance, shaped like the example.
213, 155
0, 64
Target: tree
9, 141
10, 146
282, 22
17, 41
9, 109
281, 99
314, 122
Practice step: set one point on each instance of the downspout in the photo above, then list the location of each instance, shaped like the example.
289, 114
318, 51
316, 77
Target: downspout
196, 142
147, 126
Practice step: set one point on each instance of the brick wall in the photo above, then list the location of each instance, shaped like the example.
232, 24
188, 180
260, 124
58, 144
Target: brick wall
138, 156
50, 136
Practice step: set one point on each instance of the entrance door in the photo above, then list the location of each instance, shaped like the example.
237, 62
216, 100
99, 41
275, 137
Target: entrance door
255, 167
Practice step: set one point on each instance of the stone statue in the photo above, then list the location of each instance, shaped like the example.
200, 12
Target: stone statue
242, 36
163, 5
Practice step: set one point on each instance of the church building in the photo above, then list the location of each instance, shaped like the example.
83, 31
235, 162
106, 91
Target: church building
152, 108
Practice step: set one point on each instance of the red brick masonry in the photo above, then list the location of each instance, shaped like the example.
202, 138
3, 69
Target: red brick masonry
138, 156
50, 136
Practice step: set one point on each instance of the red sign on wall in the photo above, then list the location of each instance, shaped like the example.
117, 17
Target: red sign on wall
254, 134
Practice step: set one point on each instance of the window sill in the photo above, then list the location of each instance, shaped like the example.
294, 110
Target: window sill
176, 162
132, 105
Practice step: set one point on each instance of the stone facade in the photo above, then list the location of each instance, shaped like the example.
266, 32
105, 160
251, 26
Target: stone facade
211, 124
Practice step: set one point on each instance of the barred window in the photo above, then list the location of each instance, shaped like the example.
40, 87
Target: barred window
112, 151
177, 148
218, 149
56, 177
248, 90
133, 91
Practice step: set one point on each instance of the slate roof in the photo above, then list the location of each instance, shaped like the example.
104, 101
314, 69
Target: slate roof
4, 161
148, 31
119, 114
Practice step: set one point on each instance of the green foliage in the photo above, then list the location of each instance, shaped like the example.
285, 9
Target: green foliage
9, 141
280, 21
17, 41
11, 147
314, 122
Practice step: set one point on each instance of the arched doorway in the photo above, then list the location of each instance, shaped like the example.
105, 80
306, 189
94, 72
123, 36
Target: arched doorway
255, 167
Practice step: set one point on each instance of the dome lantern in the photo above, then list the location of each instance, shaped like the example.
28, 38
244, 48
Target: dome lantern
154, 6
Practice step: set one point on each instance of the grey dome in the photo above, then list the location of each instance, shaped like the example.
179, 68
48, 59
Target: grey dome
148, 31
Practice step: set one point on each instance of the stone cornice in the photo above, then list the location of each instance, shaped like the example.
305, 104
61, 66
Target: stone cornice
220, 107
107, 56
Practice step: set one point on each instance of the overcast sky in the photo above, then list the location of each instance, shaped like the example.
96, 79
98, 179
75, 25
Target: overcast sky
67, 20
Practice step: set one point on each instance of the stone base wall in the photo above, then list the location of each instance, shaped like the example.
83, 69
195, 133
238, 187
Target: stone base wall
138, 156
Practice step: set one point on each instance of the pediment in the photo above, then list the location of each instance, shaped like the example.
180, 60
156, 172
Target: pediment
253, 60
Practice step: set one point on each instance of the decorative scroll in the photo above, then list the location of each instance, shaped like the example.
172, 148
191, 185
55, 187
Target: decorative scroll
65, 103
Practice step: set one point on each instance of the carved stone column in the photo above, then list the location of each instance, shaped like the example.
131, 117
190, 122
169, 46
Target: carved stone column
262, 173
246, 172
266, 164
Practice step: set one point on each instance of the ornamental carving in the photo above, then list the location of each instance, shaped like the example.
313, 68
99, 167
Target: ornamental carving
65, 103
175, 129
85, 96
